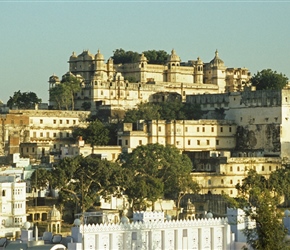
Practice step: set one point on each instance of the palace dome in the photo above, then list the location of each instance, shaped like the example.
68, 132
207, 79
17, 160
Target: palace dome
174, 57
54, 214
73, 56
99, 56
217, 61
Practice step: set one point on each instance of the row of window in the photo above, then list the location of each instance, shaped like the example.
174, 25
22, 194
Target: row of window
254, 167
198, 129
60, 121
60, 134
17, 205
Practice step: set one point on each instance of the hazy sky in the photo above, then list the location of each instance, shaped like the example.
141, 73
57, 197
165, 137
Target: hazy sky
38, 37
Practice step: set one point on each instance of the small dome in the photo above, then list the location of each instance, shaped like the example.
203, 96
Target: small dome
209, 215
53, 79
99, 56
217, 61
174, 57
143, 58
73, 56
124, 219
54, 214
199, 61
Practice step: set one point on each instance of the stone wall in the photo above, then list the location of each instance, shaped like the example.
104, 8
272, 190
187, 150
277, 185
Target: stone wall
181, 234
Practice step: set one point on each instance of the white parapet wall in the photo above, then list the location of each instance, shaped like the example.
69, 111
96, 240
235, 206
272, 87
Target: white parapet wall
164, 235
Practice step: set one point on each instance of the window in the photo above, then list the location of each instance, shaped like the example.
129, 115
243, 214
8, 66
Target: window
217, 142
54, 121
74, 121
60, 121
263, 168
209, 182
3, 192
186, 129
60, 134
177, 142
238, 168
221, 129
197, 129
47, 134
231, 181
67, 121
32, 150
140, 142
230, 129
159, 129
67, 134
41, 134
212, 129
231, 192
207, 142
222, 181
203, 129
198, 142
270, 168
54, 134
231, 169
188, 142
126, 142
120, 142
41, 121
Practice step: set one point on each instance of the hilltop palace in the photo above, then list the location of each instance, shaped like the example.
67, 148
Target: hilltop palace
104, 85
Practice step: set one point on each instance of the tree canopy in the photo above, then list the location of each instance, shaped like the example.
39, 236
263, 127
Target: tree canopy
155, 171
269, 79
156, 56
120, 56
90, 177
63, 94
96, 134
259, 202
169, 110
25, 100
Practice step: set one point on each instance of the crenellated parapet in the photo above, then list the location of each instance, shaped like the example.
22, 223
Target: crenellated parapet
211, 233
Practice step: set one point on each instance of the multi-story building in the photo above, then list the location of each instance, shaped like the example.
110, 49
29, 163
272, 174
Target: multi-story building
39, 133
262, 118
107, 84
186, 135
12, 201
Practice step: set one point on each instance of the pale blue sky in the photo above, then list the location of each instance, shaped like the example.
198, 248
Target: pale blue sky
38, 37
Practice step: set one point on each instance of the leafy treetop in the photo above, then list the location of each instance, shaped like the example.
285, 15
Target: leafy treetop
25, 100
155, 171
269, 79
171, 110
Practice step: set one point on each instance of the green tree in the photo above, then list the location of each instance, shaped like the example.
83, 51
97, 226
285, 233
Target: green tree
72, 85
156, 171
269, 232
96, 134
82, 181
156, 56
144, 111
169, 110
25, 100
60, 95
121, 56
40, 178
268, 79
